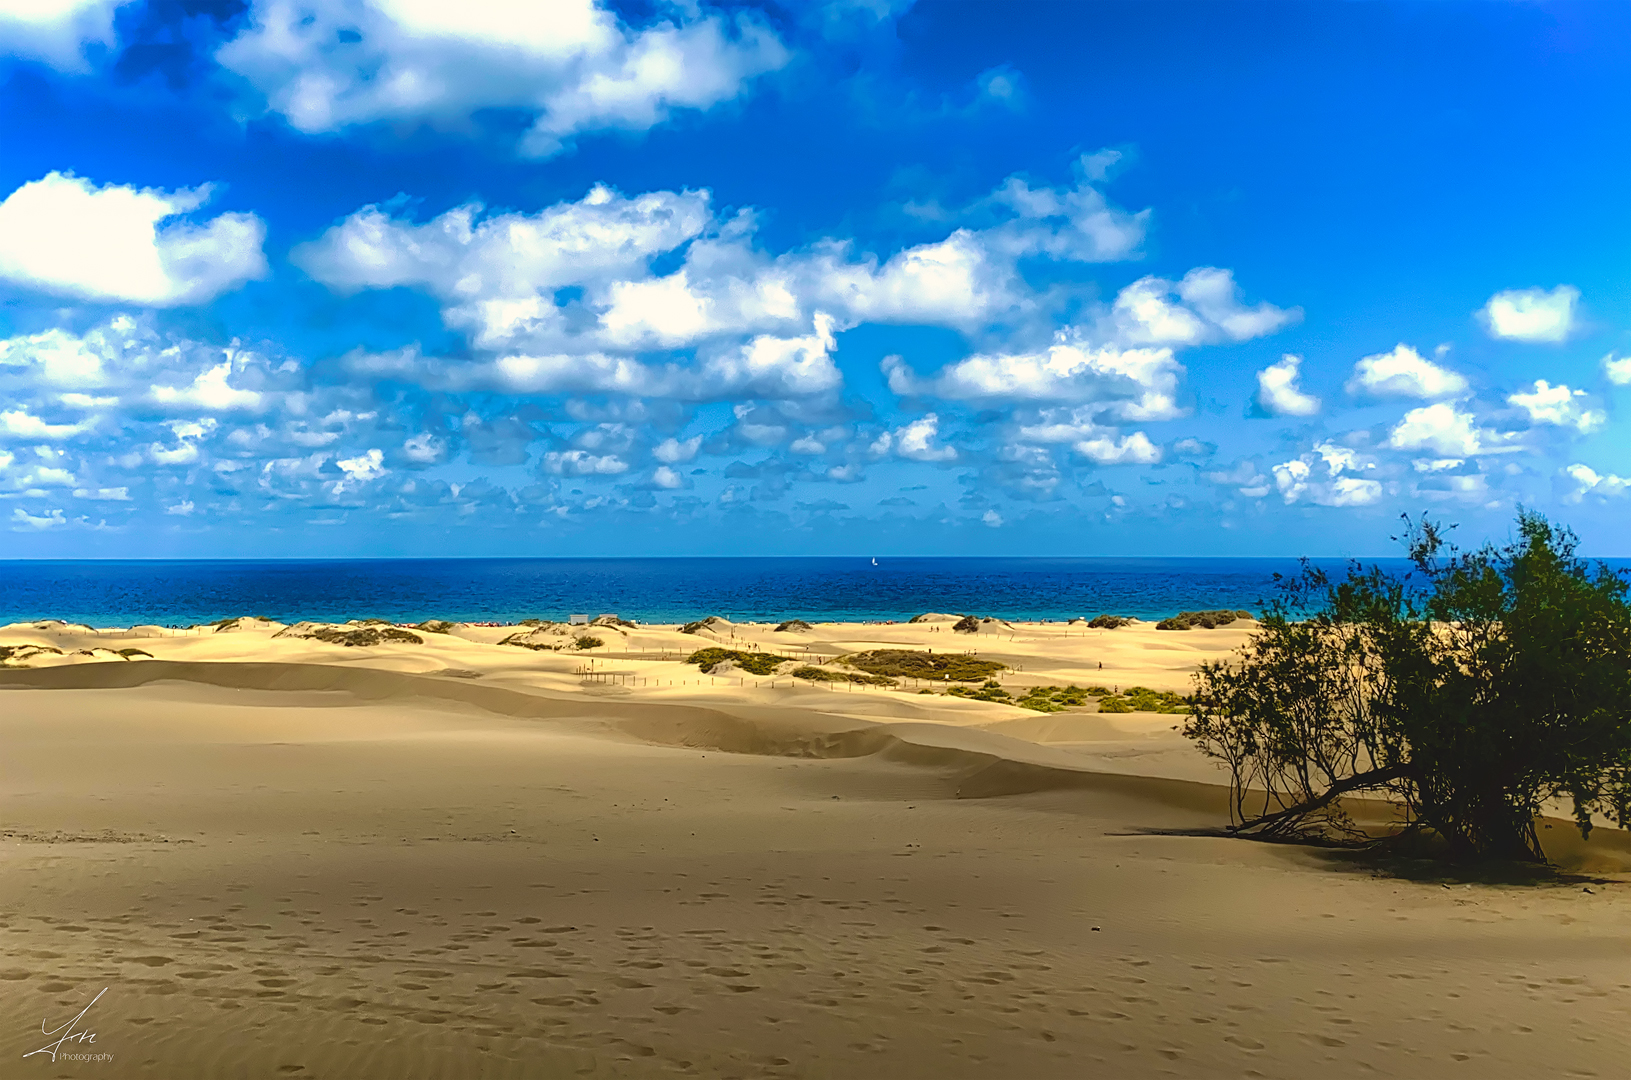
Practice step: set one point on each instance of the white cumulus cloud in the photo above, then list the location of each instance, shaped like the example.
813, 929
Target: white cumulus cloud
498, 273
1532, 314
1207, 308
673, 451
766, 366
1278, 392
1404, 373
1134, 449
1585, 480
570, 65
1558, 405
55, 31
364, 467
1441, 428
21, 424
210, 390
63, 234
1136, 384
915, 441
1618, 369
583, 463
48, 520
1329, 476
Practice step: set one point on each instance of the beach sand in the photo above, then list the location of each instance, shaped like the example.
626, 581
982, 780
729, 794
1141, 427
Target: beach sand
287, 858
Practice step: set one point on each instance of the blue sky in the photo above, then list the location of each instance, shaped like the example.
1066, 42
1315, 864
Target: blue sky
401, 277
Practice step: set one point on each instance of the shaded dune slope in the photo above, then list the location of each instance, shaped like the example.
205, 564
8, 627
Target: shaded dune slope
975, 762
981, 763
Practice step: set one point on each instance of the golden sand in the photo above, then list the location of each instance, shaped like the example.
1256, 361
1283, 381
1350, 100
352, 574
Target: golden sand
281, 857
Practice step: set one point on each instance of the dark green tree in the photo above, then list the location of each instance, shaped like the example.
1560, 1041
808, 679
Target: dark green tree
1474, 691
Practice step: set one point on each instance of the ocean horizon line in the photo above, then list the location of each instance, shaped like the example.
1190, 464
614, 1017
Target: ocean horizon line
670, 589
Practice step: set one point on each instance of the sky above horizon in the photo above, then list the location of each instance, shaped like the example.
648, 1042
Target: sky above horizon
400, 277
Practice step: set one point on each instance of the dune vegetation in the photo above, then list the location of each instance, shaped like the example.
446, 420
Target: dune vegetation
1143, 699
811, 673
915, 664
1472, 692
754, 663
1201, 620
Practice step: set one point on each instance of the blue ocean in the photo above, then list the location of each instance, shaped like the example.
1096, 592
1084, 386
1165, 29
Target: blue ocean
180, 593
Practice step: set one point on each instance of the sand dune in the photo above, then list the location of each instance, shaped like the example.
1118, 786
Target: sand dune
286, 857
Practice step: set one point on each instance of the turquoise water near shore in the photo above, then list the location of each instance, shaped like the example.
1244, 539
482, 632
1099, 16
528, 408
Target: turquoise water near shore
121, 593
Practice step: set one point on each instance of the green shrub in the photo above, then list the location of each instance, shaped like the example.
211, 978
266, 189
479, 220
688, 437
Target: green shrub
1143, 699
128, 653
754, 663
1053, 698
915, 664
793, 624
1109, 622
1204, 620
587, 642
968, 624
991, 691
1474, 691
362, 636
818, 674
435, 626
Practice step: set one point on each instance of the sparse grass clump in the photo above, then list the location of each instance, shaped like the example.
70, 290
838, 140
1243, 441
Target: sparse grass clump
435, 626
818, 674
363, 636
1143, 699
9, 653
754, 663
1203, 620
1054, 698
712, 623
130, 654
524, 640
913, 664
991, 690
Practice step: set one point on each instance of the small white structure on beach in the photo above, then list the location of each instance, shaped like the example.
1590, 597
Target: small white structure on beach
577, 620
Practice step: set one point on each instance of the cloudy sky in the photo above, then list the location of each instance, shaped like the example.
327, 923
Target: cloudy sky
397, 277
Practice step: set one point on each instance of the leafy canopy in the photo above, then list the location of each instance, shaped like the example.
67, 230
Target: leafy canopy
1474, 691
